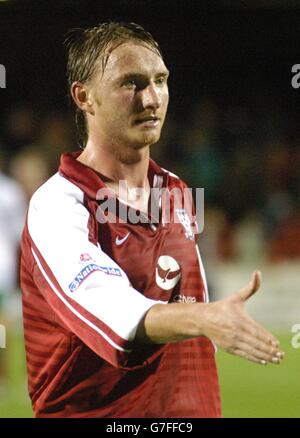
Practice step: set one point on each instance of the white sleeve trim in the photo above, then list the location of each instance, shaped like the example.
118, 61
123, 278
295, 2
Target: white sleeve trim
206, 294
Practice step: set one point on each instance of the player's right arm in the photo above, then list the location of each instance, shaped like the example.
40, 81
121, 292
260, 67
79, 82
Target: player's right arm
94, 299
88, 292
226, 322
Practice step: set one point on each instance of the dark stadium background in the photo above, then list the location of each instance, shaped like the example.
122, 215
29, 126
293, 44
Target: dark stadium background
226, 52
235, 54
230, 90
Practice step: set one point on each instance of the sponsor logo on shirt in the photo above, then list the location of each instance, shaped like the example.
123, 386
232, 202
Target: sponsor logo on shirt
168, 272
87, 270
85, 257
184, 299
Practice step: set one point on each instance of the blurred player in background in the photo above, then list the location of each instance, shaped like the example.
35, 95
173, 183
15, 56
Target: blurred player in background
12, 218
116, 313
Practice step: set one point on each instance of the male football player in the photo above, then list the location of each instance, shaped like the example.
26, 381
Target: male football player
116, 316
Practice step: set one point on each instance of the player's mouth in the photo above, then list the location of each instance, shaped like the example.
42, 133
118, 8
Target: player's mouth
148, 122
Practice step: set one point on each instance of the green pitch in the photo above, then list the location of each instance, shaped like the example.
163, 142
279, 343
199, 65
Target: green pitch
255, 391
248, 390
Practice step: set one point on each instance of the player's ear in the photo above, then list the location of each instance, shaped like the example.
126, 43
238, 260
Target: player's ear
82, 97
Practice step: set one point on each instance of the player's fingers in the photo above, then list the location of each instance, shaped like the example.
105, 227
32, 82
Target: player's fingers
246, 292
248, 356
260, 351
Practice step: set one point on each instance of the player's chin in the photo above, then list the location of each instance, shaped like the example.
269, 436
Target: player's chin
147, 139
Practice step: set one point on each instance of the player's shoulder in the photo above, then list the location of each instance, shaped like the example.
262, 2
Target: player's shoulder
56, 191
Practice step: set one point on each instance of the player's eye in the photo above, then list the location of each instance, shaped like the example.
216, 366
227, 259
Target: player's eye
130, 83
161, 81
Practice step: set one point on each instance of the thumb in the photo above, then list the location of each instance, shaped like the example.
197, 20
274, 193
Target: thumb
246, 292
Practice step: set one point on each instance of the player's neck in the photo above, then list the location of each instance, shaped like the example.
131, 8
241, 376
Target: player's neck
115, 167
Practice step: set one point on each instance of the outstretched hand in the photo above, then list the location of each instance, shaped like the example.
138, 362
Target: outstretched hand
232, 329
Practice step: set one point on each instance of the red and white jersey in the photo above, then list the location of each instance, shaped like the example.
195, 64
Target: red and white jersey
87, 284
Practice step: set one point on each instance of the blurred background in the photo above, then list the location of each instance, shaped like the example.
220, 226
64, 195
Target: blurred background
232, 128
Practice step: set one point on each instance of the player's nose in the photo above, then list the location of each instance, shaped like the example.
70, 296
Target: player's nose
151, 97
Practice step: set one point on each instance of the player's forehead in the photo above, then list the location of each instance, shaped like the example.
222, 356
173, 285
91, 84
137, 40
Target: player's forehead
134, 58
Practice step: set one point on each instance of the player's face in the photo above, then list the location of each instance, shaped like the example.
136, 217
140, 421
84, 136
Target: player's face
131, 97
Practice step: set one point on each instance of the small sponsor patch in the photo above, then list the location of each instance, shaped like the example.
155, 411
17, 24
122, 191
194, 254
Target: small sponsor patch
85, 257
184, 299
89, 269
